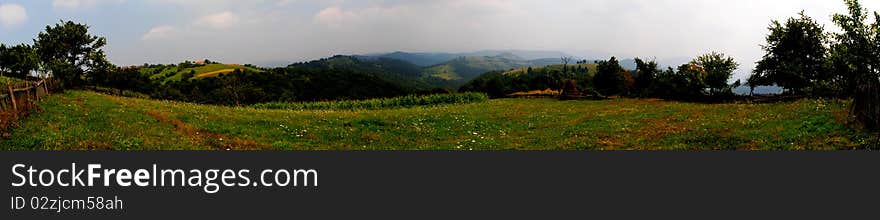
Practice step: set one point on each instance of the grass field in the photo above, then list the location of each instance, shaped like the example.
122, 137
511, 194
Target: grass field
87, 120
385, 103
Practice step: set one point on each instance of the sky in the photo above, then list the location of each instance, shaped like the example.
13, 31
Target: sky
266, 32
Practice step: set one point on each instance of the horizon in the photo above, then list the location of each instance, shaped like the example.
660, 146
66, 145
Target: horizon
271, 32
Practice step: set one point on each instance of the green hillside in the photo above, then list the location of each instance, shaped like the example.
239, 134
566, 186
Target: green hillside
401, 73
175, 73
87, 120
504, 83
558, 67
449, 75
466, 68
459, 71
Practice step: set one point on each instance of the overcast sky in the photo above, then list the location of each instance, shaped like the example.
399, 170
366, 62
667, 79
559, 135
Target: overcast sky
272, 31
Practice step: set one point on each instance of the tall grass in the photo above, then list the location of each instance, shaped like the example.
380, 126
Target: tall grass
397, 102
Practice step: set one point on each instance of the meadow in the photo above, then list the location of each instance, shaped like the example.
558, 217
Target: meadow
385, 103
89, 120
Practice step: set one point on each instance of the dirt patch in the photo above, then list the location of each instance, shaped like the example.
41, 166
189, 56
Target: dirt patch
206, 138
659, 128
214, 73
8, 120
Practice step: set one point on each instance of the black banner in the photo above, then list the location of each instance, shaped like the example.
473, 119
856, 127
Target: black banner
460, 185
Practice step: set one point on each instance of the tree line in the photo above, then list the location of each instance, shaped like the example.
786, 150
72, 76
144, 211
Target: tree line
800, 56
804, 59
703, 78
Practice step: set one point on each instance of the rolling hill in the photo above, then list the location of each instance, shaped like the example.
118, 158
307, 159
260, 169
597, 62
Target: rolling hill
447, 75
166, 73
453, 70
468, 68
503, 83
402, 73
431, 59
457, 72
420, 59
558, 67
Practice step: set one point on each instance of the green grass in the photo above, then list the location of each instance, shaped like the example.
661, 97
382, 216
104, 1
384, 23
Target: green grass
87, 120
386, 103
444, 72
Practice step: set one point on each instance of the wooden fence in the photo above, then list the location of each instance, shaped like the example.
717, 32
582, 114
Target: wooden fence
23, 96
866, 103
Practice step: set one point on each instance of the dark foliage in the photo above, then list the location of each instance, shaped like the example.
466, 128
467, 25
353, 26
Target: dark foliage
611, 78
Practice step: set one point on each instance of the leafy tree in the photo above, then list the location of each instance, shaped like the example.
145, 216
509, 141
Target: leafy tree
71, 53
647, 72
718, 69
609, 79
690, 81
4, 59
856, 48
188, 75
20, 60
665, 84
795, 54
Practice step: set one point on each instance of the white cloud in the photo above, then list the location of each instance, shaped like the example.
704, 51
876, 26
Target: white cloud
333, 16
222, 20
283, 2
306, 29
12, 15
336, 17
75, 4
158, 32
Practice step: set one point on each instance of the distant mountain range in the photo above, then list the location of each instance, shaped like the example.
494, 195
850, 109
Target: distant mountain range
452, 70
427, 70
431, 59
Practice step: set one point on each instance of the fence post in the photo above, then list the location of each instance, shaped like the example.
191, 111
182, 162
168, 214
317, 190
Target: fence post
12, 97
46, 86
36, 94
37, 91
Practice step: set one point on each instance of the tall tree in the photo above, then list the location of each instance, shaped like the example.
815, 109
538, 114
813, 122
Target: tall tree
690, 81
857, 52
856, 47
4, 63
718, 69
71, 53
609, 79
794, 54
647, 72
